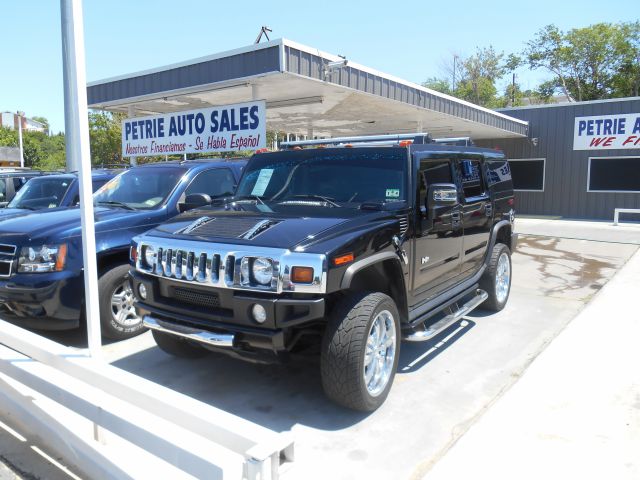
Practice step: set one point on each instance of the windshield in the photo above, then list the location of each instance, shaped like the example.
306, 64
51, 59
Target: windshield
139, 188
327, 176
41, 192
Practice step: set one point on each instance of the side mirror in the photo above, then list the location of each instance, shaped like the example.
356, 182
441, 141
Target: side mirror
194, 200
4, 204
441, 194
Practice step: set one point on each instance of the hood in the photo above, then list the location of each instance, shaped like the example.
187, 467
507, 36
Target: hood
6, 213
49, 226
265, 226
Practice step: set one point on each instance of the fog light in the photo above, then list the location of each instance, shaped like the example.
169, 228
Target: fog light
259, 313
142, 290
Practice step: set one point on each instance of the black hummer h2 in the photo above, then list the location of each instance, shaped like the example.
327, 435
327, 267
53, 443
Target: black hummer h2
350, 247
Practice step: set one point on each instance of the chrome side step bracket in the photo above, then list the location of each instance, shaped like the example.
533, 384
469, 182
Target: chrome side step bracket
432, 330
194, 334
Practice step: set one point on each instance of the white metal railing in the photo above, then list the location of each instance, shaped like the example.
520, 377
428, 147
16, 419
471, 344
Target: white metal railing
198, 439
618, 211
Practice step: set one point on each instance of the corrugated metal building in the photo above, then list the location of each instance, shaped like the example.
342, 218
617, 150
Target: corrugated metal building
553, 178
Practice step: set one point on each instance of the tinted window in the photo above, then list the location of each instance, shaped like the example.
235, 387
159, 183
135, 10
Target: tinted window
614, 174
143, 188
41, 192
527, 174
340, 174
433, 172
471, 178
215, 182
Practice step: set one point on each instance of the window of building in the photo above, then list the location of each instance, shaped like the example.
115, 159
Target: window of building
528, 174
614, 174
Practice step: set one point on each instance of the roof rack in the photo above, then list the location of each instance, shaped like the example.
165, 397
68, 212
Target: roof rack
457, 141
381, 140
393, 139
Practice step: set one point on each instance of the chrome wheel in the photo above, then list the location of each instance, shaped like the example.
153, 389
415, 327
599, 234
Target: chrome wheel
503, 277
380, 353
122, 309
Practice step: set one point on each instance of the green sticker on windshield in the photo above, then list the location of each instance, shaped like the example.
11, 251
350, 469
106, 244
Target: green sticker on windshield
393, 193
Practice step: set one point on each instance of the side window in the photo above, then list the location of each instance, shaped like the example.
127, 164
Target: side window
214, 182
433, 171
471, 178
18, 182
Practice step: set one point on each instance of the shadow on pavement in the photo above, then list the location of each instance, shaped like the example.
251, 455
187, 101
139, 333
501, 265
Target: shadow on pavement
277, 396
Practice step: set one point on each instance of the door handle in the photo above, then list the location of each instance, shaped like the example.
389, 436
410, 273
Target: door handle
455, 216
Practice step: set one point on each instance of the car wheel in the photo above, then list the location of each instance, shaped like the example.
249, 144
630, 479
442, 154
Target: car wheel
178, 347
118, 316
360, 350
496, 280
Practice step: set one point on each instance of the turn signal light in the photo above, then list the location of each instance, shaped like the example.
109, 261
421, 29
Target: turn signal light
133, 254
61, 258
302, 275
405, 143
342, 259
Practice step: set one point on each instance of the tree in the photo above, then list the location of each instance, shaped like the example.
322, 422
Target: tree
105, 136
588, 63
626, 82
438, 84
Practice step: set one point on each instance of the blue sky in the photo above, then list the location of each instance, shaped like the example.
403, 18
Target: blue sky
408, 39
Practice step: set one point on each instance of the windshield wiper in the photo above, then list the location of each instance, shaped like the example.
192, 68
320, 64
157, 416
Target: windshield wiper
315, 197
257, 198
115, 203
22, 207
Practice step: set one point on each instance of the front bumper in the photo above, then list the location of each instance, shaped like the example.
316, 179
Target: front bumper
226, 312
49, 301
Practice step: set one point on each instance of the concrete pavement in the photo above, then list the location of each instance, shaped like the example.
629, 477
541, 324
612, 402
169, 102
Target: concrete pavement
575, 413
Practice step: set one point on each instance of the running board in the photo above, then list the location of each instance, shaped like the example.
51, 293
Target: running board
432, 330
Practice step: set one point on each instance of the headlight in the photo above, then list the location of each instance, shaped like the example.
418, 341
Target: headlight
262, 270
148, 256
42, 258
256, 270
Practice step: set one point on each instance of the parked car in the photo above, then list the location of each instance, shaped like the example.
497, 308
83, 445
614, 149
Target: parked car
51, 192
343, 249
41, 274
12, 180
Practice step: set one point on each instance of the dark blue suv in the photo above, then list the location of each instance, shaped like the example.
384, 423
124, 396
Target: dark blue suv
41, 268
52, 191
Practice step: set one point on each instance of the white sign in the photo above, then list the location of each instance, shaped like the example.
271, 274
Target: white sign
607, 132
217, 129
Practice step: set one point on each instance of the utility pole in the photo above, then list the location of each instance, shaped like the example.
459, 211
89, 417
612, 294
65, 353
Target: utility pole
79, 155
20, 115
453, 84
513, 89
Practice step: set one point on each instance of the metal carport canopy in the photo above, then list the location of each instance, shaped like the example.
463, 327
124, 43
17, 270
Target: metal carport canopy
306, 93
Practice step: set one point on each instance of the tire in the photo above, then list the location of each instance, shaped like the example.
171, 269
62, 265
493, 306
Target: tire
118, 317
344, 351
494, 281
178, 347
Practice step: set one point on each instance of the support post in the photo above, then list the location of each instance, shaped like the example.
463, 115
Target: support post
131, 112
79, 155
20, 139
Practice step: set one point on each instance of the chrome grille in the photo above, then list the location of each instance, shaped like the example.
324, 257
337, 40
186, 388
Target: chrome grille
219, 265
7, 254
7, 249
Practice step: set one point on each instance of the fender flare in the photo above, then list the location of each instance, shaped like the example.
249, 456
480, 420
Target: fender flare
494, 235
355, 267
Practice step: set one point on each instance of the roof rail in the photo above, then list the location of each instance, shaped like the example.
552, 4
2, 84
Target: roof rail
457, 141
417, 138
